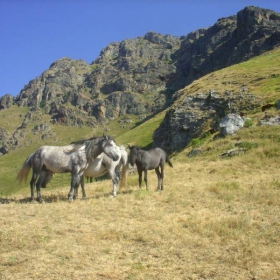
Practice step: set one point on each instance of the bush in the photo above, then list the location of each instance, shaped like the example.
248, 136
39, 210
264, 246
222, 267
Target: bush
43, 103
196, 142
248, 123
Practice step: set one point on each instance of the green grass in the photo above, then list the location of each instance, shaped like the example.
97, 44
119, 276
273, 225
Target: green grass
12, 118
142, 134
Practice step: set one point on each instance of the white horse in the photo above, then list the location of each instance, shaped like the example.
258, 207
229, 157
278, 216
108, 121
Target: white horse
72, 158
102, 164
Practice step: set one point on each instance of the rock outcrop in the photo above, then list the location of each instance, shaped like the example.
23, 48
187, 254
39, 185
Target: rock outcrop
198, 114
6, 101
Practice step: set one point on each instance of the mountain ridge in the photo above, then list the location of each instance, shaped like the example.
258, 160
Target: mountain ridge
141, 77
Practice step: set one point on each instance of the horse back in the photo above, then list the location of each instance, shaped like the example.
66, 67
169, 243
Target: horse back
62, 158
152, 158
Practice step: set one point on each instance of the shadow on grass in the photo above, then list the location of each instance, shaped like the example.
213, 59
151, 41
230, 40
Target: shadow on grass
47, 199
53, 198
98, 196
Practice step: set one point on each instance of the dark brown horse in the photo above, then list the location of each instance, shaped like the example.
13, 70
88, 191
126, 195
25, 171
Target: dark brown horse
149, 160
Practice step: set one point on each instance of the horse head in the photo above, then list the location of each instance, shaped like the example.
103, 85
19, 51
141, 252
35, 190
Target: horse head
133, 154
110, 148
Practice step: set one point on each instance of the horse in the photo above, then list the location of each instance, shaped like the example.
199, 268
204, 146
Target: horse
99, 166
73, 158
149, 160
102, 164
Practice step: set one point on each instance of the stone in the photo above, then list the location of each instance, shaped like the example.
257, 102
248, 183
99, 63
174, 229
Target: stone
231, 124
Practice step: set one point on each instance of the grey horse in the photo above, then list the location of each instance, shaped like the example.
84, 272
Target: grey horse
149, 160
101, 165
73, 158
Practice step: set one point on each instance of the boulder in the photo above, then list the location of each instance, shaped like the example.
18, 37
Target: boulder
231, 123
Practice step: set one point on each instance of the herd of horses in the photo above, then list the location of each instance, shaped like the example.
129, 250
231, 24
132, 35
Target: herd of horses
92, 157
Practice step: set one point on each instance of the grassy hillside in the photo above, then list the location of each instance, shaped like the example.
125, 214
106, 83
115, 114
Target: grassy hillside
260, 75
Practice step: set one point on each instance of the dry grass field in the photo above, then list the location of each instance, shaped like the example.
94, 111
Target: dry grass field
216, 219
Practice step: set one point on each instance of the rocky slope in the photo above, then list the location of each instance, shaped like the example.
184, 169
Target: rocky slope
140, 76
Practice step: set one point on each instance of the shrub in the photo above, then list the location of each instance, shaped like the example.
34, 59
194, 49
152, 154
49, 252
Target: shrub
248, 123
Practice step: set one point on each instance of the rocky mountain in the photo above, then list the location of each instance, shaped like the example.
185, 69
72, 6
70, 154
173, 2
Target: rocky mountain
142, 76
229, 41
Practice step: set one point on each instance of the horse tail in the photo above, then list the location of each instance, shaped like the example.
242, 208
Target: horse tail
169, 162
23, 173
125, 166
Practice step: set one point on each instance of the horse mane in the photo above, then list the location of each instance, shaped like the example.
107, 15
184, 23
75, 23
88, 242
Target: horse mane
90, 143
81, 142
135, 147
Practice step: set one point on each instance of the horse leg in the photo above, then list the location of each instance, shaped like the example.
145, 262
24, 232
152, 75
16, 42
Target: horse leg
83, 186
116, 177
116, 181
140, 178
162, 176
146, 178
74, 181
32, 185
76, 175
77, 181
40, 181
159, 180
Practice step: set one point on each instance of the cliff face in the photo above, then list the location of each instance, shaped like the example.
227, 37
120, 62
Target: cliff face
196, 115
140, 76
229, 41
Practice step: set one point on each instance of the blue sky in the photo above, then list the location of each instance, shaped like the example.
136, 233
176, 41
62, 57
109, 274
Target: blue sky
35, 33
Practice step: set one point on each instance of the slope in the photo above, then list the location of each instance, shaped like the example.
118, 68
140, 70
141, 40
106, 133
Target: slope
260, 74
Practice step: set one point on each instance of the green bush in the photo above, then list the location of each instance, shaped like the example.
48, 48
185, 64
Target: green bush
195, 142
248, 123
43, 103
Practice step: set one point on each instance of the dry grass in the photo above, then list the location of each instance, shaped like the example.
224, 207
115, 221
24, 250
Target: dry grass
214, 220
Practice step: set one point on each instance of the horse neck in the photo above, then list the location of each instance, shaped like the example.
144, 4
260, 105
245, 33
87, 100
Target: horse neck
140, 153
93, 149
